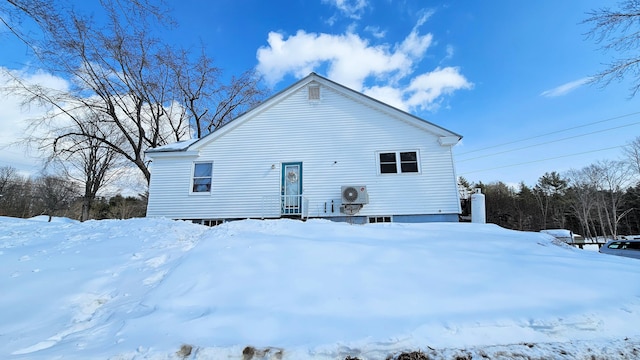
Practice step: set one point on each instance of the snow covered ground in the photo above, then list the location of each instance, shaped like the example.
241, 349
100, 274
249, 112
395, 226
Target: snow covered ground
145, 288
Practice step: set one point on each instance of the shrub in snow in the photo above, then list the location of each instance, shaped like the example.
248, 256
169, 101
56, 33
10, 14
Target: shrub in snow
185, 351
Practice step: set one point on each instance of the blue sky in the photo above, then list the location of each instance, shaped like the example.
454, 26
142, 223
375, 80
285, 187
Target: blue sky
499, 72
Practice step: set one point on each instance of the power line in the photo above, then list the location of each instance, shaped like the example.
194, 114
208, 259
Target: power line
551, 133
542, 160
550, 142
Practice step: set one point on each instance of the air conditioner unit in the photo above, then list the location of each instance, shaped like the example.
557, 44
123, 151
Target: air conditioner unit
355, 195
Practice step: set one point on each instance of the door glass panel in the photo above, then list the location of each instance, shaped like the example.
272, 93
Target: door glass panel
291, 189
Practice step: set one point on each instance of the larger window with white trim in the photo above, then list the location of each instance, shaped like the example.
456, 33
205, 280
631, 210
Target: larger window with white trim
398, 162
202, 176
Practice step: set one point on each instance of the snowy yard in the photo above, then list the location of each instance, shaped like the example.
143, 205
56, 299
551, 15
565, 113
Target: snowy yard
144, 288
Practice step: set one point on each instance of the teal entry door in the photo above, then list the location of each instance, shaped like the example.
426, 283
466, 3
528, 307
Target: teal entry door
291, 188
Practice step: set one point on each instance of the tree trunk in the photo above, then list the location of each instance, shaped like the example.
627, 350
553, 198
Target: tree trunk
86, 208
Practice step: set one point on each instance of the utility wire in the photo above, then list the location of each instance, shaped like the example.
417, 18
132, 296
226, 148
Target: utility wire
541, 160
550, 133
549, 142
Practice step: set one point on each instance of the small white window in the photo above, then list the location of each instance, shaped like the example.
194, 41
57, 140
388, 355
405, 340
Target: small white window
202, 177
314, 92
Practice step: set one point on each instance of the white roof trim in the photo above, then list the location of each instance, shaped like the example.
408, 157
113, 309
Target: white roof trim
448, 140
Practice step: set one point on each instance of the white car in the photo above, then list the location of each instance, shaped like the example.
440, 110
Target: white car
627, 248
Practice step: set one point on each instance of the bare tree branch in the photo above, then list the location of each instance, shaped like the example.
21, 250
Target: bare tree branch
618, 31
145, 93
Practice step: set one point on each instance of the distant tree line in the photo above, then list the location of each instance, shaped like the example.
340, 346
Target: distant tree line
602, 199
53, 195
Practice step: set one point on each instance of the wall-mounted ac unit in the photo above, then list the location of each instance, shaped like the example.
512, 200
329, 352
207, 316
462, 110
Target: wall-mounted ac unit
354, 195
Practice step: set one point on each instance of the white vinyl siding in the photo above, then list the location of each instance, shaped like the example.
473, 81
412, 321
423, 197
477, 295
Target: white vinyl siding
337, 139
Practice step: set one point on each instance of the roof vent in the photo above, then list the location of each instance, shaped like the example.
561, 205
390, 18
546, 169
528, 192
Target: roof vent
314, 92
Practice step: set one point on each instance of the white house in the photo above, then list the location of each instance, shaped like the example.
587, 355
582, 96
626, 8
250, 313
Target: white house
315, 150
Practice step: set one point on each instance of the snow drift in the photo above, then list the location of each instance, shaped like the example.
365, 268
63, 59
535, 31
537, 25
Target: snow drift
143, 288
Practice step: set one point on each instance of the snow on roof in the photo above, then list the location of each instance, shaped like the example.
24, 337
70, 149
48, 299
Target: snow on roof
176, 146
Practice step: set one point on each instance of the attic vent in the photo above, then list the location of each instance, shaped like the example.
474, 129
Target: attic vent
314, 92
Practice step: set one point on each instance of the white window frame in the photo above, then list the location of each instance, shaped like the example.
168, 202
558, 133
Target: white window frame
398, 162
193, 177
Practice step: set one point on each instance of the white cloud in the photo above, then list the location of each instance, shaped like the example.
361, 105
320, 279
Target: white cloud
301, 53
387, 94
564, 89
376, 31
426, 14
415, 44
386, 72
332, 20
450, 52
351, 28
425, 89
15, 119
350, 8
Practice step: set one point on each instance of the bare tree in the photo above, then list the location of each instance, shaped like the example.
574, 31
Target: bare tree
618, 30
127, 207
614, 179
15, 193
144, 91
208, 105
599, 188
240, 95
84, 159
631, 153
54, 193
13, 13
595, 176
7, 176
582, 199
8, 181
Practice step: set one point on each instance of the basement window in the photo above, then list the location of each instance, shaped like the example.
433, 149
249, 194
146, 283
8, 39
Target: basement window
202, 176
379, 219
208, 222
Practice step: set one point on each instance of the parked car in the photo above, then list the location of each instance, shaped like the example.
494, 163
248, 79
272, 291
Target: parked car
628, 248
